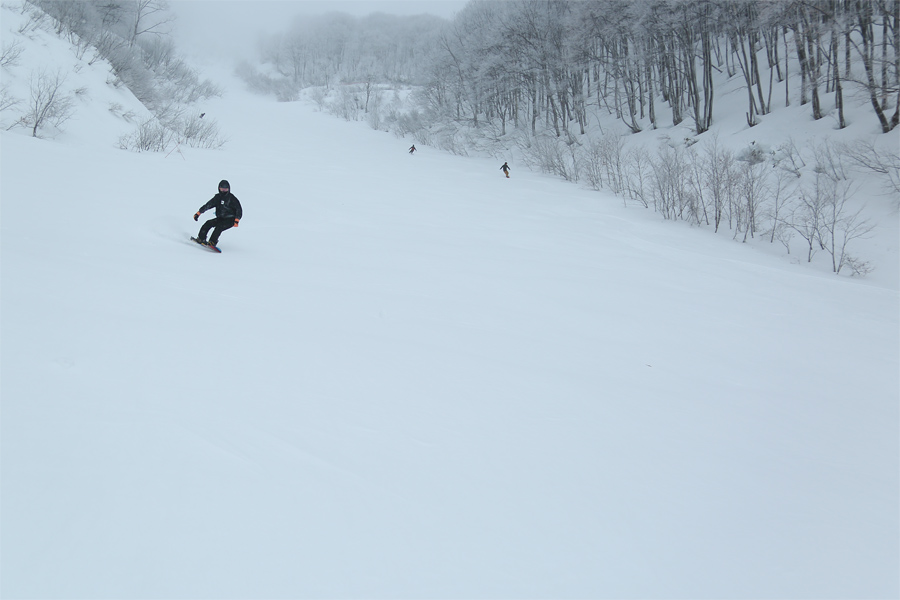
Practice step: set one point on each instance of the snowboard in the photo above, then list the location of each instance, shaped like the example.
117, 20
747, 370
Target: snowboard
207, 246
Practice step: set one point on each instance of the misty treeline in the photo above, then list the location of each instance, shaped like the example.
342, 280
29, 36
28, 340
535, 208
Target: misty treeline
543, 76
339, 49
650, 61
552, 63
133, 36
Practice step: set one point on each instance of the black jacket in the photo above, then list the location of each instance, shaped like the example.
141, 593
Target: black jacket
226, 204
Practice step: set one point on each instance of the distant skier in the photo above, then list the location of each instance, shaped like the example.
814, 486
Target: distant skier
228, 214
412, 148
505, 169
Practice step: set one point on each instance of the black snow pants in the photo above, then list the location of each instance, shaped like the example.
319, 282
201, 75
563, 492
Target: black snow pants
220, 224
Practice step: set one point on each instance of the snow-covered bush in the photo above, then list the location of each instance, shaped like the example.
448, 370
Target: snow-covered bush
197, 132
49, 105
10, 54
150, 136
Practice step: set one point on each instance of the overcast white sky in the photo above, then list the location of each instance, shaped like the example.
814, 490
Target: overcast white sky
231, 27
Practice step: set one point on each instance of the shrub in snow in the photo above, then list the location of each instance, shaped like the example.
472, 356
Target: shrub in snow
150, 136
10, 54
198, 133
869, 159
754, 153
49, 104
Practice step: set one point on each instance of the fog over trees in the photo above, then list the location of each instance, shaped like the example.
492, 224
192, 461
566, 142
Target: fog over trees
537, 75
545, 78
553, 62
339, 49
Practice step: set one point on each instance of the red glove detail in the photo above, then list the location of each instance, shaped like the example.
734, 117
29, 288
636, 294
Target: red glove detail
196, 215
236, 221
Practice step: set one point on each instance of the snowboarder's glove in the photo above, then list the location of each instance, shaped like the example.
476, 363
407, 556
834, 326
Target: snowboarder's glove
196, 215
236, 221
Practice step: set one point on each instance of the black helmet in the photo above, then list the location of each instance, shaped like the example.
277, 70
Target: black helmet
224, 184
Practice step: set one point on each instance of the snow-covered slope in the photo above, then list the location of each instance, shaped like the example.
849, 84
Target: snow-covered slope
102, 112
407, 376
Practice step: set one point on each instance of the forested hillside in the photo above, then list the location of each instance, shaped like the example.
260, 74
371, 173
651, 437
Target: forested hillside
621, 96
565, 86
133, 37
537, 60
654, 61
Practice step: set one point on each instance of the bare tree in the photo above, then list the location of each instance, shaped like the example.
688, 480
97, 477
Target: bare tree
779, 197
49, 103
719, 175
148, 16
753, 190
829, 161
806, 218
638, 176
866, 20
7, 100
10, 55
886, 163
840, 227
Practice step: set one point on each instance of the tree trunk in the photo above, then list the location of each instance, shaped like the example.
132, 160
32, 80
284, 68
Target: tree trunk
865, 22
838, 91
801, 58
787, 62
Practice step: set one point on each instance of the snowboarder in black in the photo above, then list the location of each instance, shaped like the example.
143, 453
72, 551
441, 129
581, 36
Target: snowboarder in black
505, 169
228, 214
412, 148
